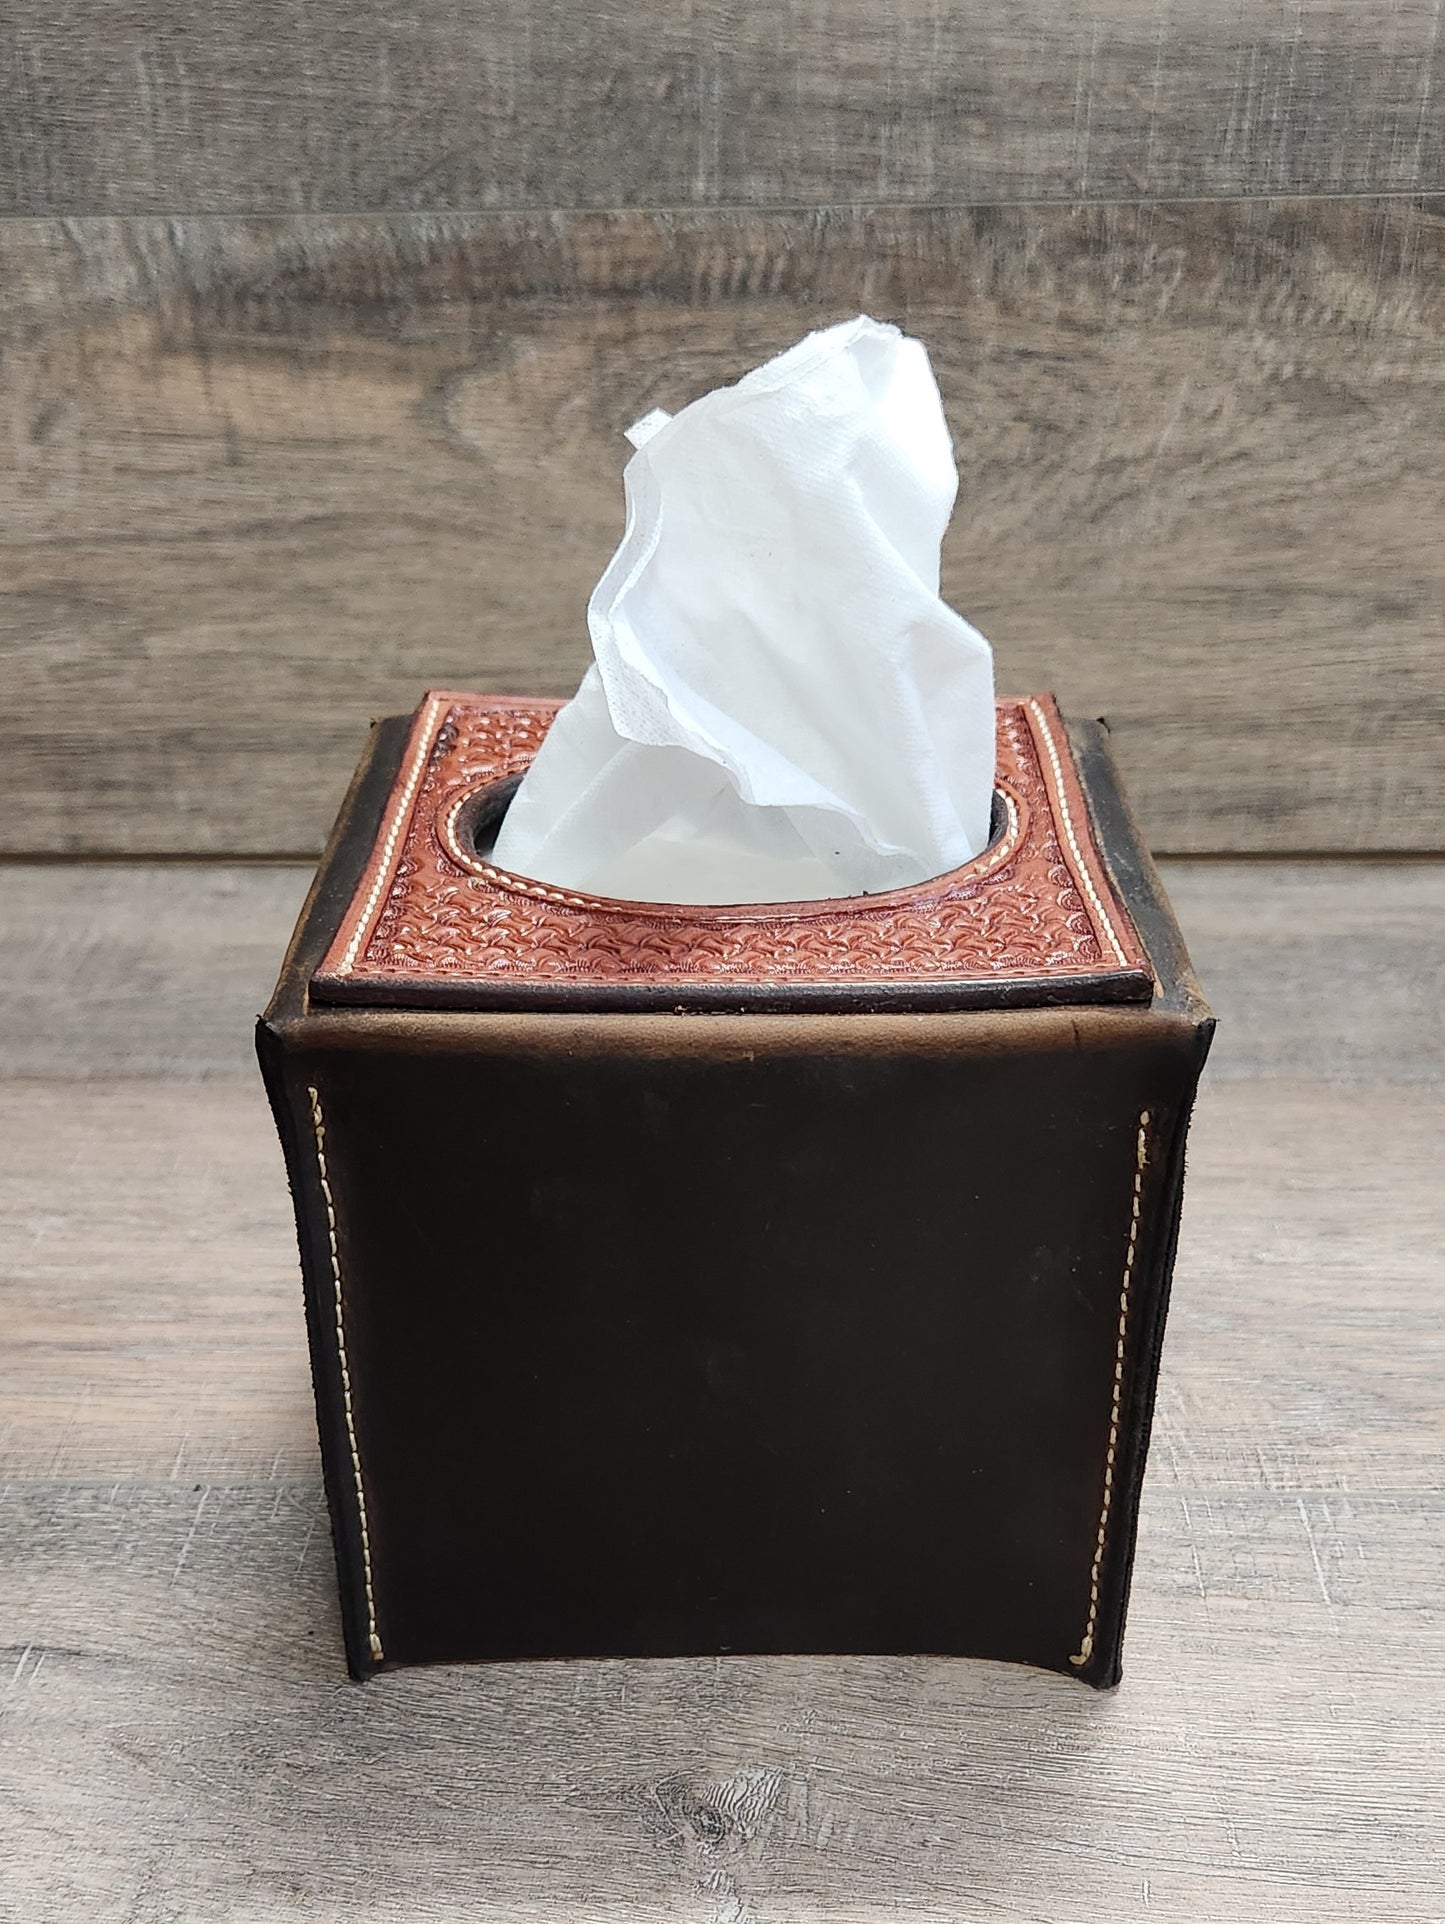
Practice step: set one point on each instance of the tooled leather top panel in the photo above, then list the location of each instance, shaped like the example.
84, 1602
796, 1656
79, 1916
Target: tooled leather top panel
1033, 919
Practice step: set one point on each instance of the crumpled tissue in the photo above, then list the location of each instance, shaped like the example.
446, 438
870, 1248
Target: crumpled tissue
780, 707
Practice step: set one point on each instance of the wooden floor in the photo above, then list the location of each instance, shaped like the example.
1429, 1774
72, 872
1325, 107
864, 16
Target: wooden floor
177, 1737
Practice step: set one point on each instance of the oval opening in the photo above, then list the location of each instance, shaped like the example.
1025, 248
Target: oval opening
479, 820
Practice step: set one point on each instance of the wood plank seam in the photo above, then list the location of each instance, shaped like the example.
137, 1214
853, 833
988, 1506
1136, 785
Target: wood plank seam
1191, 435
1141, 1157
318, 1126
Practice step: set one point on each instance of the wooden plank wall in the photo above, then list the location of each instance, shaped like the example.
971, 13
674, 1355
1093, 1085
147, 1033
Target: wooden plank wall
358, 105
319, 328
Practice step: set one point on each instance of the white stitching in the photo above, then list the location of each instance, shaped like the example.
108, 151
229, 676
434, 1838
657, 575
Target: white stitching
452, 844
1080, 865
986, 862
1086, 1646
318, 1126
403, 809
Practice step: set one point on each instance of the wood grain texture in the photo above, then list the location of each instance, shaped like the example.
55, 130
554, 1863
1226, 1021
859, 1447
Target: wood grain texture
177, 1739
268, 478
260, 104
1319, 968
1314, 968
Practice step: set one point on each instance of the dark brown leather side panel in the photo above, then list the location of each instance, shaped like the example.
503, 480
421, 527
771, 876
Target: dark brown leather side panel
663, 1355
690, 1333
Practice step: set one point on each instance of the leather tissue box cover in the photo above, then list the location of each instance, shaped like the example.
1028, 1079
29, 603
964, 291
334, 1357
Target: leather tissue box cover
776, 1278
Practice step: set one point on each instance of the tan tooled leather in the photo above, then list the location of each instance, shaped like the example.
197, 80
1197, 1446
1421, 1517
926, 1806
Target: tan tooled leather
430, 916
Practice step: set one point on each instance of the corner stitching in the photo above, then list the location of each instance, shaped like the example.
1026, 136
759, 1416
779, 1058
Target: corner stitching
1141, 1156
318, 1126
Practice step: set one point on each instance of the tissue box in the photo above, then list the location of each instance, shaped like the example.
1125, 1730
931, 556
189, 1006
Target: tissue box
684, 1281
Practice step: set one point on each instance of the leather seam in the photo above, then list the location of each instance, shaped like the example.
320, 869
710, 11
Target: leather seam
425, 736
318, 1128
1141, 1156
1081, 867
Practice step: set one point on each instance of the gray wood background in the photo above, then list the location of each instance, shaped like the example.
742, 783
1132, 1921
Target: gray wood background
319, 328
354, 105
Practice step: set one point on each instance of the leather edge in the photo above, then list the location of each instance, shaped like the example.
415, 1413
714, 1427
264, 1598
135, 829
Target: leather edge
1131, 869
1077, 831
332, 888
1106, 1669
1178, 998
309, 1212
341, 866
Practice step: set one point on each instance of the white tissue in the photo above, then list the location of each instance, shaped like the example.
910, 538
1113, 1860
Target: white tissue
780, 707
